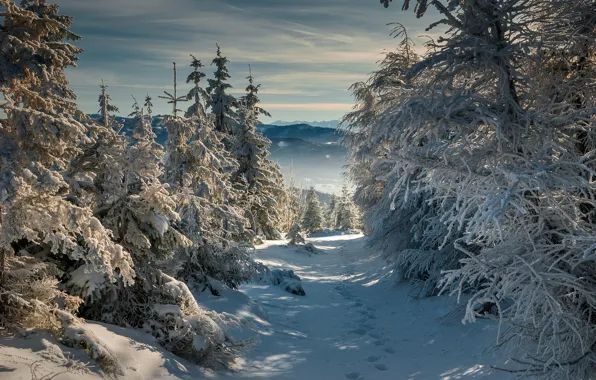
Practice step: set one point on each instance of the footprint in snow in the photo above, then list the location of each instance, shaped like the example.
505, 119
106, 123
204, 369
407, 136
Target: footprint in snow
381, 367
390, 350
353, 375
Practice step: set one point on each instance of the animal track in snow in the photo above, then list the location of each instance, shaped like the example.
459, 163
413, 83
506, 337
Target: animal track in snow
381, 367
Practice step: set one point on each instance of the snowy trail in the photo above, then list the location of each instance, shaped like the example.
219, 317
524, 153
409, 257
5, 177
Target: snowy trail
355, 323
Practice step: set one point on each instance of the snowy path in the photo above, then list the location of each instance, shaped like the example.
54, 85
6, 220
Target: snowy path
355, 323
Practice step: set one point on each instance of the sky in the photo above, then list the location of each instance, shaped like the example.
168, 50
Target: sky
304, 53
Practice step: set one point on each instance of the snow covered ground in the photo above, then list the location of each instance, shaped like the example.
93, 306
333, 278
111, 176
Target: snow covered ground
354, 323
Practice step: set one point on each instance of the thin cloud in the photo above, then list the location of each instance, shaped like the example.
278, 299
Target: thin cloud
297, 49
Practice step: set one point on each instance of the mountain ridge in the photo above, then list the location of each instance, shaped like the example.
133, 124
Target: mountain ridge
296, 148
324, 123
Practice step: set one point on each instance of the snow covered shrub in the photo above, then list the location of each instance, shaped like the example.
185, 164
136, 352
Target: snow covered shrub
29, 294
181, 326
491, 133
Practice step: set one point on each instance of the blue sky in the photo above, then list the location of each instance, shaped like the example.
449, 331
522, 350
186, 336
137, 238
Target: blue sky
305, 53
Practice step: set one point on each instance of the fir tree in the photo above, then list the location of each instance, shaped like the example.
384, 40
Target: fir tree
199, 168
197, 94
331, 212
106, 107
142, 124
221, 103
258, 179
291, 205
38, 137
472, 159
346, 217
312, 219
251, 99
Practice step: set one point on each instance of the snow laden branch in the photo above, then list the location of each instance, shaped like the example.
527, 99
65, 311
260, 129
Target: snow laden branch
475, 163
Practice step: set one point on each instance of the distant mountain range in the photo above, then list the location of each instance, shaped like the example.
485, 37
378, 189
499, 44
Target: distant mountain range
306, 132
313, 155
324, 124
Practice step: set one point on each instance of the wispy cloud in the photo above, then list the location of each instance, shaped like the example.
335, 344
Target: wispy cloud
298, 49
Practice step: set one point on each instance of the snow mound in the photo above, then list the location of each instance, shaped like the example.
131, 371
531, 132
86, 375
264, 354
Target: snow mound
39, 355
287, 280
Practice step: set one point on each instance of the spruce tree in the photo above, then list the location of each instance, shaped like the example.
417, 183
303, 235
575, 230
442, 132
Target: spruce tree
198, 166
312, 219
40, 133
106, 107
331, 212
251, 99
143, 129
258, 179
197, 94
291, 205
480, 147
221, 103
345, 213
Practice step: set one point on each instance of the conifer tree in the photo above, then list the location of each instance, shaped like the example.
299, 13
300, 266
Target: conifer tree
258, 179
291, 205
106, 107
38, 137
312, 219
480, 146
345, 213
331, 212
221, 103
197, 94
199, 168
251, 99
142, 124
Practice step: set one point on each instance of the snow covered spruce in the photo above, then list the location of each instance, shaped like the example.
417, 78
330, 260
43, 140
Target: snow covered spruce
112, 227
474, 161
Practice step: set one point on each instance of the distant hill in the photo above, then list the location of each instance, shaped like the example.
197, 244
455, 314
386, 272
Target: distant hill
324, 124
128, 126
302, 131
313, 155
